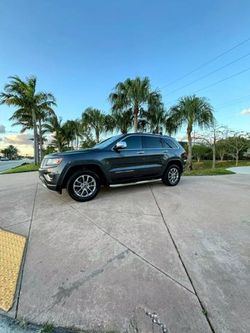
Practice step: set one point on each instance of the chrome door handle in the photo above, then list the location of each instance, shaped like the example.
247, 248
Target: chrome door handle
140, 152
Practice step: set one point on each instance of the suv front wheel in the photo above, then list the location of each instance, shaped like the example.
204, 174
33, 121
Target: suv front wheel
172, 175
83, 185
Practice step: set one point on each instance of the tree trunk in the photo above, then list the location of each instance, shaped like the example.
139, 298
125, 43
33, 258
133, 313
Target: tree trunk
221, 157
135, 122
136, 112
236, 158
214, 156
35, 137
40, 141
77, 142
97, 135
189, 157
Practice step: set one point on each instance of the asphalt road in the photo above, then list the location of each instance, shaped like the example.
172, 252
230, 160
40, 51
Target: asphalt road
6, 165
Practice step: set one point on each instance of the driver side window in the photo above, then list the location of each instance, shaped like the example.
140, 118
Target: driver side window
133, 142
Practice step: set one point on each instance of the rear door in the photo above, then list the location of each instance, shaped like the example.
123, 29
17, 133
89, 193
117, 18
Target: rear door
155, 155
127, 164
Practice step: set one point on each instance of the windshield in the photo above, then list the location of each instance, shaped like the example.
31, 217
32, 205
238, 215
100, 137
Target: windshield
105, 143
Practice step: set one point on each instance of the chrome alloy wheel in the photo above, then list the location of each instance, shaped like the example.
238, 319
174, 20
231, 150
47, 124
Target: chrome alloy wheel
84, 186
173, 175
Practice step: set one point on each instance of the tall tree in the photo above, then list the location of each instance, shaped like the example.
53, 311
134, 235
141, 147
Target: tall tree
55, 127
211, 137
171, 126
191, 111
122, 120
221, 148
155, 115
10, 152
42, 116
237, 142
69, 129
78, 132
131, 94
201, 151
28, 102
96, 120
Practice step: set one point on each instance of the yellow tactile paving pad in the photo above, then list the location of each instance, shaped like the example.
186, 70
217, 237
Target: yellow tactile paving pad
11, 253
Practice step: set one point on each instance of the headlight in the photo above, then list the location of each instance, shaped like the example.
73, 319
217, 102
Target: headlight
53, 161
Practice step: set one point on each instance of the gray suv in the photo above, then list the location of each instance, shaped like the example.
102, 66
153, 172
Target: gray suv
120, 159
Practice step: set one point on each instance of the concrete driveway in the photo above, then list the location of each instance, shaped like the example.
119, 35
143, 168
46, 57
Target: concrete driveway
244, 170
181, 253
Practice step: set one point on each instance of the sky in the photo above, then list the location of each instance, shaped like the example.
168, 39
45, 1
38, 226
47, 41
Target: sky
80, 49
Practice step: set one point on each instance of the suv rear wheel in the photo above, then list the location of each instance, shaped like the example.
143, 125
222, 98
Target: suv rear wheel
83, 185
172, 175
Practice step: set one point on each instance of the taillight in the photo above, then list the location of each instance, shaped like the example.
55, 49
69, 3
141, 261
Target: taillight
184, 155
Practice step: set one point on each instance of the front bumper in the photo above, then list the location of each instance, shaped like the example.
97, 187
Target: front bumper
49, 179
47, 185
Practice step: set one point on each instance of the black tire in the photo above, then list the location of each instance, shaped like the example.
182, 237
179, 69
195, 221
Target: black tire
172, 175
90, 183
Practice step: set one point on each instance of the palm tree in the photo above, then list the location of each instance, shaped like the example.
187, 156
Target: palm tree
23, 119
10, 152
156, 115
54, 126
69, 130
131, 94
191, 110
78, 131
42, 116
170, 125
29, 102
95, 120
123, 120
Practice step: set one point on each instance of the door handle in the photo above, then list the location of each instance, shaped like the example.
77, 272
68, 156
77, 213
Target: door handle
140, 152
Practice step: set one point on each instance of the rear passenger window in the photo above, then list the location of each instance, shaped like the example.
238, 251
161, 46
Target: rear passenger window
151, 142
133, 142
169, 143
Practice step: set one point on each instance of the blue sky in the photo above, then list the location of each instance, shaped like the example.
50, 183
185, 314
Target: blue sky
80, 49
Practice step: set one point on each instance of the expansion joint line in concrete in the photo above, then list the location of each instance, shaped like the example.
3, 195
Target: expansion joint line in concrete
25, 252
182, 262
132, 251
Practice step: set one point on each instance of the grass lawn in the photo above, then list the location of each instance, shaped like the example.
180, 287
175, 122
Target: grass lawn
204, 168
22, 168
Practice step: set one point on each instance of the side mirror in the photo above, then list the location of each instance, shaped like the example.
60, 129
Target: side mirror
120, 145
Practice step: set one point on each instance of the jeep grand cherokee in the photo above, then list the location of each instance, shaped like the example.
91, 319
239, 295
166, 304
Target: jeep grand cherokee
120, 159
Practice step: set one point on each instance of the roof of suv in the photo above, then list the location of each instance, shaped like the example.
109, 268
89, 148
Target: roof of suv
145, 133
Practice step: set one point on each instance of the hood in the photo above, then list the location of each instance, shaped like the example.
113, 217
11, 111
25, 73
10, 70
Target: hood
71, 152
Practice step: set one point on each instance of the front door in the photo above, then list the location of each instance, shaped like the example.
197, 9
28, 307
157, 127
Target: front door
128, 163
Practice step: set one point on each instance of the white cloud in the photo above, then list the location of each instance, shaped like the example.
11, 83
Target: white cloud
18, 139
21, 141
245, 112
